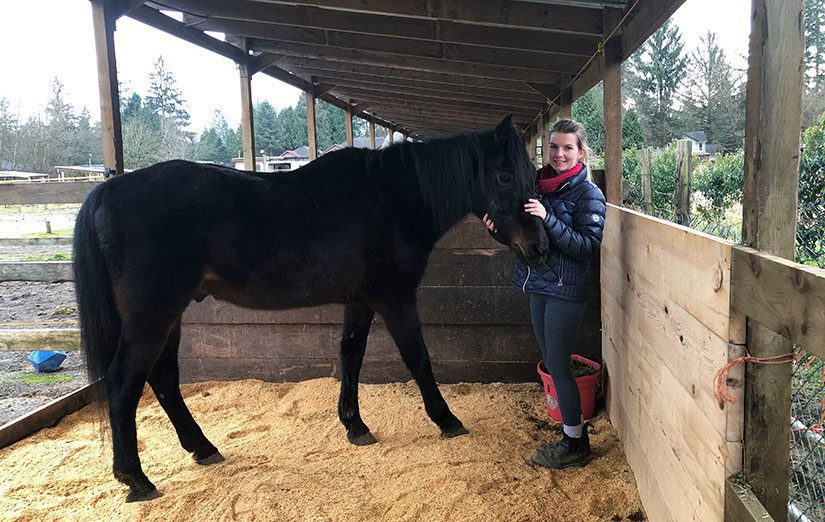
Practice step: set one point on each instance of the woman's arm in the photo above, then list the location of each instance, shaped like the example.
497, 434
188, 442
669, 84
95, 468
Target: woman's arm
583, 239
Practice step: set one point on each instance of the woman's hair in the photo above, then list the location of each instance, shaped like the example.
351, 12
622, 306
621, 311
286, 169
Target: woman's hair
567, 126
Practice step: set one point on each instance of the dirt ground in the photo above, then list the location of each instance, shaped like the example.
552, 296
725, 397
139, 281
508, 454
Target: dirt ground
287, 459
36, 305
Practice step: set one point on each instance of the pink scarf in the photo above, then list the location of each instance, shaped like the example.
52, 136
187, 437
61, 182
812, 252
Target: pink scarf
549, 181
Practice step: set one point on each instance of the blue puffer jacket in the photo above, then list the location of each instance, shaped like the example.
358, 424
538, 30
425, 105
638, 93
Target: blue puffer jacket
574, 225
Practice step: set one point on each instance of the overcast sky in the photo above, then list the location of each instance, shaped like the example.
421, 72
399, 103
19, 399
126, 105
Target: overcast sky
43, 39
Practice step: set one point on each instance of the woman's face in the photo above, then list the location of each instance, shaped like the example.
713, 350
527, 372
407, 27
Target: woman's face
564, 151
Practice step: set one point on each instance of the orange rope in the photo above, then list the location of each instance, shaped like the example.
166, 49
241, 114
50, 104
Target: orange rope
721, 391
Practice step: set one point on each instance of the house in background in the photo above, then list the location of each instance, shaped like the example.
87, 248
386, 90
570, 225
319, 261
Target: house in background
284, 162
701, 147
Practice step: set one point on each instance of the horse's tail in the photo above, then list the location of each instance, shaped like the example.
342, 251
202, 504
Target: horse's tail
99, 319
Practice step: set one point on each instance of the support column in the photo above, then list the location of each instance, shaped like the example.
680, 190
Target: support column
348, 125
247, 125
311, 140
613, 109
390, 133
372, 134
103, 21
566, 103
773, 115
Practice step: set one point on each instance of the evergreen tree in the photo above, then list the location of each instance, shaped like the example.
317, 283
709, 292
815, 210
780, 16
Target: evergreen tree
813, 100
142, 143
164, 98
712, 101
210, 147
655, 72
268, 135
234, 142
60, 129
8, 133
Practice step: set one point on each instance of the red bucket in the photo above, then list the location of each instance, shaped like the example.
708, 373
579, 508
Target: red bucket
587, 389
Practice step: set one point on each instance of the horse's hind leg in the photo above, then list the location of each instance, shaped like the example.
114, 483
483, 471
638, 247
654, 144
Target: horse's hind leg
164, 378
405, 327
357, 320
138, 349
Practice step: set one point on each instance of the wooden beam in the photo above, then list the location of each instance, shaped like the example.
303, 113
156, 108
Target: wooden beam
566, 103
741, 505
348, 126
311, 140
613, 110
426, 36
684, 151
786, 297
124, 7
372, 133
43, 271
103, 21
773, 115
483, 68
647, 191
27, 339
375, 93
158, 20
44, 193
261, 62
48, 415
391, 17
247, 124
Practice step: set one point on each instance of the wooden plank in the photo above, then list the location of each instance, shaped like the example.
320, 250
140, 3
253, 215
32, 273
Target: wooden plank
46, 416
613, 110
389, 17
104, 14
377, 95
35, 241
43, 193
644, 164
672, 252
472, 344
27, 339
372, 134
196, 370
44, 271
348, 126
436, 305
771, 178
311, 136
683, 155
741, 505
483, 69
247, 124
786, 297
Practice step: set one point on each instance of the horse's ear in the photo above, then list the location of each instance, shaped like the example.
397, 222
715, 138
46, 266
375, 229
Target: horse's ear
504, 130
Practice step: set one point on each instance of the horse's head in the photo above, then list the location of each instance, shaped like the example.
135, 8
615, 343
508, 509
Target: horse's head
508, 181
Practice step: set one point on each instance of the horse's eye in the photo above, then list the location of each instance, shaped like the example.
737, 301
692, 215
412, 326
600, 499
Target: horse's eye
504, 179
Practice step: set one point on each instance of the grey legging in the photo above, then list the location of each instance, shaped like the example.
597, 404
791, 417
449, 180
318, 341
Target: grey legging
555, 322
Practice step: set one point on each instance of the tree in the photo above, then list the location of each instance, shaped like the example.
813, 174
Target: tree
713, 100
210, 147
142, 143
268, 135
655, 72
164, 98
8, 133
813, 100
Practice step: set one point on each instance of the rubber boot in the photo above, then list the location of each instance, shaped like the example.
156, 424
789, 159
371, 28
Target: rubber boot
564, 453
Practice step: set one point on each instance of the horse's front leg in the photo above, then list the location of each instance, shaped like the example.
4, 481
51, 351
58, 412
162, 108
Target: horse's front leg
405, 327
357, 320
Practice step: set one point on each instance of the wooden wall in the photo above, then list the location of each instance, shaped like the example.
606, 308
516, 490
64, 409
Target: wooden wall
667, 329
477, 327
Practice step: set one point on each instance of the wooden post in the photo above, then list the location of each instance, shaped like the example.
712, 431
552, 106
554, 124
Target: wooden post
247, 125
541, 138
533, 140
613, 109
684, 152
545, 143
774, 94
348, 125
372, 134
103, 21
311, 140
647, 192
390, 133
566, 103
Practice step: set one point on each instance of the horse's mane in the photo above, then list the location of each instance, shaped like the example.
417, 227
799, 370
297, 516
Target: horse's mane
449, 170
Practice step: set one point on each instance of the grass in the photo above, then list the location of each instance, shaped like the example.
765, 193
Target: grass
46, 378
65, 310
46, 257
55, 233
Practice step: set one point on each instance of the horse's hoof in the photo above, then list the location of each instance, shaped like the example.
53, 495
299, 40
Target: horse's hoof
365, 439
211, 459
455, 432
141, 496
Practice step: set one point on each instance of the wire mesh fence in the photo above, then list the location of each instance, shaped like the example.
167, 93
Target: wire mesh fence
716, 210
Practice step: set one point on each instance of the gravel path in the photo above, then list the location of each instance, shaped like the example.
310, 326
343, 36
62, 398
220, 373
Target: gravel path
22, 389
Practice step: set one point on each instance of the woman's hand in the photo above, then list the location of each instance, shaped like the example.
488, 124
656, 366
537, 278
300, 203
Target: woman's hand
535, 208
489, 222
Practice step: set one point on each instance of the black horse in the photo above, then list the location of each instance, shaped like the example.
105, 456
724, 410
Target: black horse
353, 227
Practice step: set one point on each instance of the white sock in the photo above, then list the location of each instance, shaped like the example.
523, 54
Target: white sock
574, 432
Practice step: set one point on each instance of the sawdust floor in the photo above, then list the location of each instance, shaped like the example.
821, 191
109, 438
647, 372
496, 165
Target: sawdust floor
287, 459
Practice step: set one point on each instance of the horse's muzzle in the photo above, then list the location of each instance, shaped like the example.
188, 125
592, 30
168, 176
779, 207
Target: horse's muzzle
533, 255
